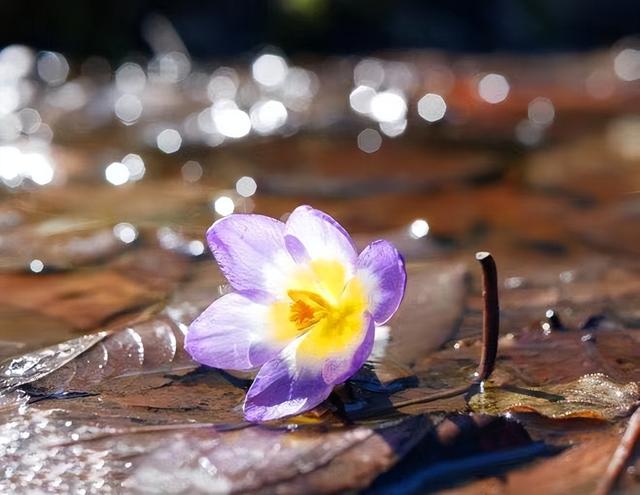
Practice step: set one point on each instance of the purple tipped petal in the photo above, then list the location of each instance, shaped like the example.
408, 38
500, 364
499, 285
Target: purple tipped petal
381, 269
284, 388
321, 235
232, 334
337, 370
296, 249
251, 251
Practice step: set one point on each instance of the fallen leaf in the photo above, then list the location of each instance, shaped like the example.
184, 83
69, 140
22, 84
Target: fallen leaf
20, 370
60, 243
592, 396
84, 299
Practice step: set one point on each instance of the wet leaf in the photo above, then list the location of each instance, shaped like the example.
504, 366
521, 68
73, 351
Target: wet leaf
592, 396
79, 448
67, 298
27, 331
258, 460
20, 370
61, 243
90, 299
151, 346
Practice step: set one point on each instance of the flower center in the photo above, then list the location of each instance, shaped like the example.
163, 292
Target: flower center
322, 300
307, 308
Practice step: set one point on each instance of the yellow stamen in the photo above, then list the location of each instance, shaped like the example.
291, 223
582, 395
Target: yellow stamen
325, 303
307, 308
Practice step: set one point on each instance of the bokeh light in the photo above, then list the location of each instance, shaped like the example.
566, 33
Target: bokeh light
117, 173
126, 232
369, 140
388, 106
269, 70
419, 228
232, 122
224, 206
52, 67
128, 108
169, 141
268, 116
493, 88
541, 111
627, 64
246, 186
432, 107
191, 171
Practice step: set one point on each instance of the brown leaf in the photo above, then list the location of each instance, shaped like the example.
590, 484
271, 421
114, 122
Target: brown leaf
18, 371
591, 396
61, 243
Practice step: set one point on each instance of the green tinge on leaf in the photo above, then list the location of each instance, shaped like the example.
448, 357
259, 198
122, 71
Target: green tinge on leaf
592, 396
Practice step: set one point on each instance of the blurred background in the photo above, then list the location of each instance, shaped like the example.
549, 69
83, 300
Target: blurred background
444, 126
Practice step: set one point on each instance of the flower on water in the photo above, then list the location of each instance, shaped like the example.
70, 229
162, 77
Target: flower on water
304, 307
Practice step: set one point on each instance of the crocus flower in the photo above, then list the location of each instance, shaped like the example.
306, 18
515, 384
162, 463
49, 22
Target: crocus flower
303, 309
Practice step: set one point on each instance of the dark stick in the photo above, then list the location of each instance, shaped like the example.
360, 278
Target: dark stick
490, 317
621, 456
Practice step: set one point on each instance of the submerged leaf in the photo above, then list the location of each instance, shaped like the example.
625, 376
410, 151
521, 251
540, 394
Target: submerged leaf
592, 396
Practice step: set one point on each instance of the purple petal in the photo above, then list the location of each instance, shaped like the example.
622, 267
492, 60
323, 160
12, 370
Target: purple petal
296, 249
251, 251
337, 370
381, 269
232, 333
284, 387
321, 235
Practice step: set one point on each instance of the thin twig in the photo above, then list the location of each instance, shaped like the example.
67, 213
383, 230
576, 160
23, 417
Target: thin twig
621, 456
445, 394
490, 317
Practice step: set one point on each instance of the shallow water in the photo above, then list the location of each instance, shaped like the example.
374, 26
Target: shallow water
102, 269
